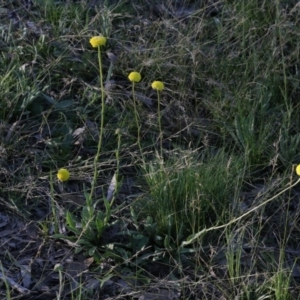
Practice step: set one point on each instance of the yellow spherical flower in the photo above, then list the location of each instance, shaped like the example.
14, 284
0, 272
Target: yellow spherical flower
158, 85
63, 174
298, 170
96, 41
135, 77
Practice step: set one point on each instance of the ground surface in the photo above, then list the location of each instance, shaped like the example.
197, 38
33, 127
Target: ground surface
208, 211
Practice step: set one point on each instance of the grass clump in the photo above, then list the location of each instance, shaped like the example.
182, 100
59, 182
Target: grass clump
183, 198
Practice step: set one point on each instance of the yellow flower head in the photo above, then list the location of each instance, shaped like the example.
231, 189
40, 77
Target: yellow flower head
63, 174
158, 85
298, 170
135, 77
97, 41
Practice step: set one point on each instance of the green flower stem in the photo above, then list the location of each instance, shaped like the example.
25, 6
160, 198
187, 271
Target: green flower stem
118, 152
136, 116
159, 124
53, 206
191, 239
101, 127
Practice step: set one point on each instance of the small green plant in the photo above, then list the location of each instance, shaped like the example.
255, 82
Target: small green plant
191, 194
234, 255
97, 42
88, 228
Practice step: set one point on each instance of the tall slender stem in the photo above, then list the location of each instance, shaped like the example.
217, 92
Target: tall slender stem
136, 116
159, 124
101, 127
